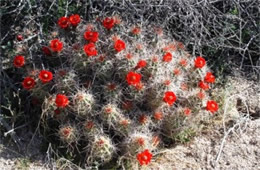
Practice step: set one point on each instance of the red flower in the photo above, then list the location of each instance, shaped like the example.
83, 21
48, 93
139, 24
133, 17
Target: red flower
108, 23
19, 61
169, 98
209, 78
140, 141
124, 122
133, 78
46, 50
167, 82
183, 62
180, 45
155, 59
144, 157
90, 49
74, 20
141, 64
167, 57
111, 86
199, 62
139, 86
119, 45
61, 100
158, 116
91, 36
187, 111
89, 125
19, 37
129, 56
212, 106
143, 119
63, 22
136, 30
203, 85
28, 83
201, 95
45, 76
176, 72
56, 45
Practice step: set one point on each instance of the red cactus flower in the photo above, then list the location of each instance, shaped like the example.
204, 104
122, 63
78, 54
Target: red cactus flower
61, 100
139, 46
180, 45
176, 72
140, 141
111, 86
108, 110
167, 82
56, 45
170, 47
203, 85
155, 59
101, 58
158, 116
212, 106
109, 23
90, 49
136, 30
45, 76
141, 64
199, 62
19, 37
183, 62
46, 51
209, 78
144, 157
169, 97
74, 20
167, 57
124, 122
119, 45
129, 56
139, 86
63, 22
91, 36
201, 95
143, 119
187, 111
19, 61
66, 132
28, 83
133, 78
89, 125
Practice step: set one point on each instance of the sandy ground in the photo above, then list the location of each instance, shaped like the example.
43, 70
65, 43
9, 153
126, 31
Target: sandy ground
241, 150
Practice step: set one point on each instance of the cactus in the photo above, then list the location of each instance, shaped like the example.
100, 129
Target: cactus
122, 92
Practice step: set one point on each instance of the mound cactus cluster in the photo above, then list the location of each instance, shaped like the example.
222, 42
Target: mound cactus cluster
117, 90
